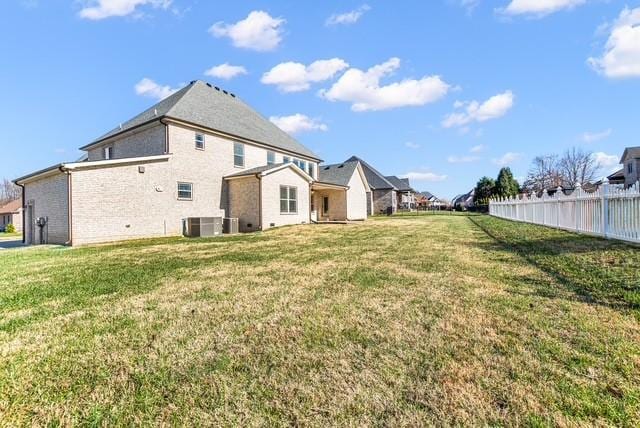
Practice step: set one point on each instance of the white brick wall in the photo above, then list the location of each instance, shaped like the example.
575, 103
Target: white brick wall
244, 196
271, 199
148, 141
49, 197
357, 198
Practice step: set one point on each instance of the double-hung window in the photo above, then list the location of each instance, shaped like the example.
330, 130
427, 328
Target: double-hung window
311, 170
185, 191
271, 158
288, 200
200, 141
238, 154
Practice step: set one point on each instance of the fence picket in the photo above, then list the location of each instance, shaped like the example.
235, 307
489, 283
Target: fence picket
611, 211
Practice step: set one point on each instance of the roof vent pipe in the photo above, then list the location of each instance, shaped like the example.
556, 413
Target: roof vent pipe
155, 111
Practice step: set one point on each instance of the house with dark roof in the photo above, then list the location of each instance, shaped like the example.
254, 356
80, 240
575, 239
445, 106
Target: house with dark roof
428, 200
340, 193
631, 165
465, 201
201, 152
382, 198
406, 196
11, 213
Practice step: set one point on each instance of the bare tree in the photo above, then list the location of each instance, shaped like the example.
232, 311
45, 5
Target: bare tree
9, 191
577, 166
543, 174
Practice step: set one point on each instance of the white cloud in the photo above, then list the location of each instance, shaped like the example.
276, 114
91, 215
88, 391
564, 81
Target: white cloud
493, 108
363, 90
507, 159
148, 88
296, 77
539, 7
412, 145
462, 159
469, 5
259, 31
592, 137
298, 123
101, 9
424, 176
605, 161
477, 149
621, 56
226, 71
349, 17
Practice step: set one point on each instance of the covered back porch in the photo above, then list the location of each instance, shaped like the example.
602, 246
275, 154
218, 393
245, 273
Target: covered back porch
328, 203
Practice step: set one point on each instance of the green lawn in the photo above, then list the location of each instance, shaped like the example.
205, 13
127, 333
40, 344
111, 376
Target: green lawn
10, 236
412, 320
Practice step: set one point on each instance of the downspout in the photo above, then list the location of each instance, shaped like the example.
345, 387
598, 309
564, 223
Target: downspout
69, 205
260, 219
24, 217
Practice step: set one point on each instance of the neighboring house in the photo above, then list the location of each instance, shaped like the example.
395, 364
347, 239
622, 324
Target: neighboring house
11, 213
340, 193
631, 165
427, 199
465, 201
382, 198
405, 194
201, 152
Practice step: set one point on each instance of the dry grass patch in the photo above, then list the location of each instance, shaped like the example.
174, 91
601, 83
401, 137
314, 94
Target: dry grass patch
400, 321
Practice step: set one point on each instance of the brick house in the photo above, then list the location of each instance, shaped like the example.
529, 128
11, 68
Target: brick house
382, 197
201, 152
11, 213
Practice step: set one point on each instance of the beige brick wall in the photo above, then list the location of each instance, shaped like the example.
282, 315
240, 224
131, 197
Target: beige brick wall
11, 218
271, 199
49, 198
337, 204
244, 197
357, 198
143, 142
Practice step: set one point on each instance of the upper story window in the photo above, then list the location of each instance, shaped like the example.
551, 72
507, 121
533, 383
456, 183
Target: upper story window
108, 152
311, 170
288, 200
286, 159
630, 167
238, 154
200, 141
271, 158
185, 191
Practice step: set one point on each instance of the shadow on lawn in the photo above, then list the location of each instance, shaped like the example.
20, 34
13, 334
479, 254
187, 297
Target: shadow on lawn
595, 270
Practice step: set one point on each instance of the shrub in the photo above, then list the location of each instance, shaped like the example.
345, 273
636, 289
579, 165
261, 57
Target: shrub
10, 228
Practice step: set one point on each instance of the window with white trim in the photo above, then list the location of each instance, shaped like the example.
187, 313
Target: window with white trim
311, 170
185, 191
271, 158
286, 159
199, 141
288, 200
108, 152
238, 154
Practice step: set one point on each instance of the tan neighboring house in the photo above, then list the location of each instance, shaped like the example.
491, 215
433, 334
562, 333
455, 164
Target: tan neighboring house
11, 213
340, 193
200, 152
404, 192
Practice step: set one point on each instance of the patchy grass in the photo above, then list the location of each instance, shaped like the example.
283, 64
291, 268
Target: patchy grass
412, 320
4, 236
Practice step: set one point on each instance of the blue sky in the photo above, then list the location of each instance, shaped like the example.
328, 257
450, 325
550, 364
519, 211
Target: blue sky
443, 91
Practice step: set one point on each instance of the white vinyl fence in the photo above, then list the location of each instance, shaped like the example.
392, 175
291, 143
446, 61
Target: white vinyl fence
610, 212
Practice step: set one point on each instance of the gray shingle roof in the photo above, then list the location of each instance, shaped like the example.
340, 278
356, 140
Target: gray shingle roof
402, 184
204, 105
339, 173
254, 171
375, 179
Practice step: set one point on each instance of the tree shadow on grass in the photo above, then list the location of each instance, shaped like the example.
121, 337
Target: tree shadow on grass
594, 270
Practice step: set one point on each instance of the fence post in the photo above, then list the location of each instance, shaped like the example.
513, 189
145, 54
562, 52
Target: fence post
605, 207
558, 193
544, 206
576, 193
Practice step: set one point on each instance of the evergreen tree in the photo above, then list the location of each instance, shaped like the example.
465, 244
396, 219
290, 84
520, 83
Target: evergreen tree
506, 185
484, 190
